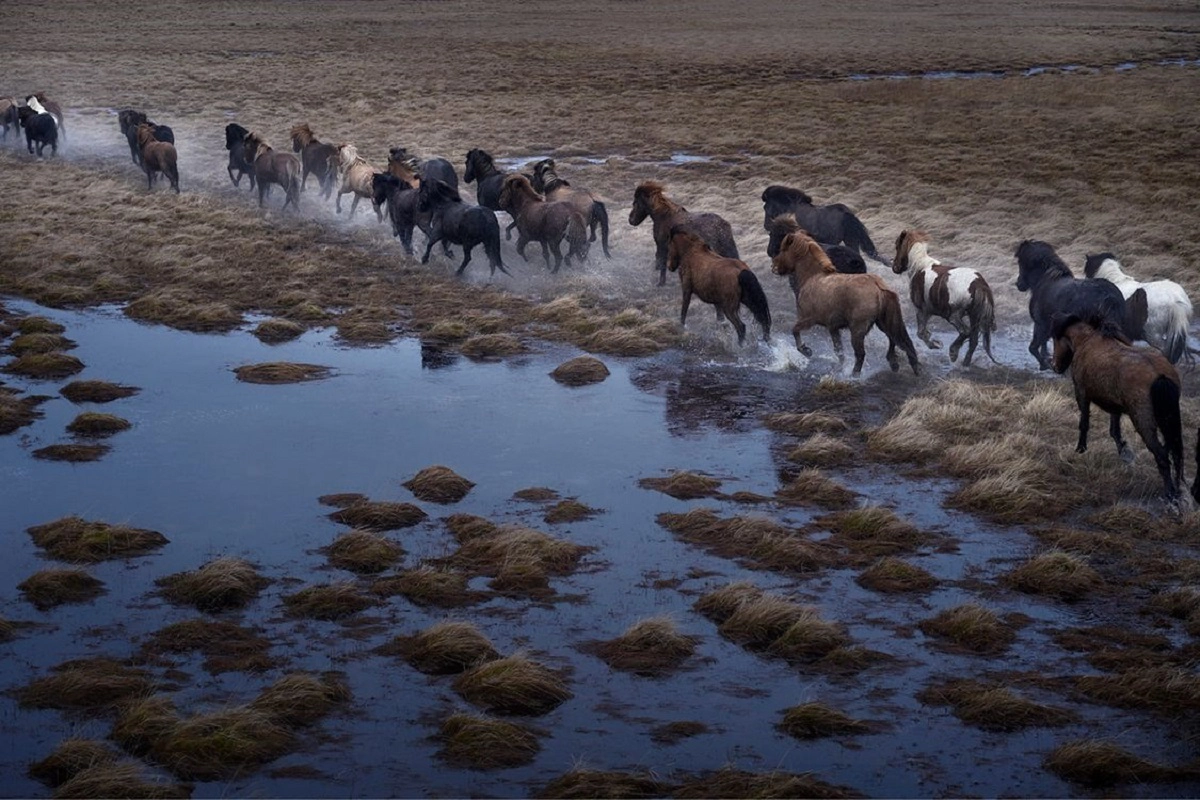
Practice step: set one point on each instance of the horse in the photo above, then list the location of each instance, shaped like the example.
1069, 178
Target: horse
356, 173
40, 128
834, 223
157, 157
546, 182
239, 158
315, 157
1168, 309
10, 116
272, 167
650, 200
1054, 289
959, 295
403, 166
543, 221
129, 119
458, 222
835, 301
846, 260
723, 282
481, 169
401, 198
1122, 379
44, 105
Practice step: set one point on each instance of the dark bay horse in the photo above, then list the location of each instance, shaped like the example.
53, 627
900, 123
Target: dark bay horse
316, 157
1054, 289
845, 260
546, 181
235, 143
271, 167
650, 200
401, 199
1122, 379
544, 221
461, 223
726, 283
158, 157
129, 120
831, 224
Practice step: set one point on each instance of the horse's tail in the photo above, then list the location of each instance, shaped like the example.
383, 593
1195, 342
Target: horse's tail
891, 322
1177, 317
600, 214
1164, 400
755, 299
293, 183
491, 243
987, 319
855, 235
577, 235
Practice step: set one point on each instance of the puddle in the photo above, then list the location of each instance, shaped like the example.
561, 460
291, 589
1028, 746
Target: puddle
1029, 72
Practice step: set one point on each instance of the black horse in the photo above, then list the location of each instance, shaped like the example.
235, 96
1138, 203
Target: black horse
40, 128
235, 143
461, 223
845, 260
402, 200
129, 120
439, 169
482, 167
1055, 291
833, 224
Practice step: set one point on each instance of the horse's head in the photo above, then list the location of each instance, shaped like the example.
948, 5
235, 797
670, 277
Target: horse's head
1063, 329
253, 145
514, 187
474, 156
779, 200
905, 242
1025, 265
780, 227
381, 186
145, 133
1037, 261
234, 135
129, 119
644, 197
678, 241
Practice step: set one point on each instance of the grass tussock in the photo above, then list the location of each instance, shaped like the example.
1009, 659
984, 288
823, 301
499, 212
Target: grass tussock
379, 515
221, 744
44, 366
580, 371
28, 343
438, 484
17, 411
276, 372
128, 779
809, 638
331, 601
651, 647
50, 588
805, 423
429, 586
341, 499
1083, 542
86, 684
535, 494
822, 450
993, 707
96, 391
1096, 763
1181, 603
36, 324
519, 560
478, 742
492, 345
1171, 691
835, 390
735, 783
618, 341
446, 648
720, 604
811, 487
820, 721
447, 332
299, 699
1133, 522
91, 423
72, 453
758, 541
569, 510
676, 732
363, 552
683, 485
771, 622
891, 575
276, 331
873, 532
167, 308
972, 628
219, 585
513, 685
71, 757
226, 646
582, 784
1056, 574
364, 331
81, 541
8, 629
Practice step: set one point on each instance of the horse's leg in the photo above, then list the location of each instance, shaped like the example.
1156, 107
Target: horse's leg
687, 300
892, 359
558, 257
405, 232
303, 178
467, 248
337, 203
660, 261
264, 189
232, 179
354, 204
923, 330
1085, 410
835, 336
738, 325
968, 329
1114, 430
435, 233
508, 231
1147, 428
1037, 345
858, 340
522, 243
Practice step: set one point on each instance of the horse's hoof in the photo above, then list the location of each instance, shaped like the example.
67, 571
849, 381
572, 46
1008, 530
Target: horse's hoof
805, 351
1125, 454
1081, 449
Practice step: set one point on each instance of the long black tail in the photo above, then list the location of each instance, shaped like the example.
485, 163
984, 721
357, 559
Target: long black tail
1196, 480
891, 322
1164, 400
987, 321
600, 214
854, 234
491, 245
755, 299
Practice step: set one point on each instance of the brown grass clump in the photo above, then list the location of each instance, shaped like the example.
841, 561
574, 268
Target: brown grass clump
759, 621
71, 757
1168, 690
683, 485
379, 515
327, 602
569, 510
582, 784
1180, 603
720, 604
1129, 521
676, 732
803, 423
444, 649
365, 331
169, 309
447, 331
821, 449
82, 541
96, 391
128, 779
86, 684
813, 487
735, 783
49, 588
428, 586
44, 366
38, 343
970, 627
341, 499
1024, 490
144, 722
275, 372
513, 685
535, 494
222, 744
492, 345
617, 341
29, 325
8, 629
758, 541
651, 647
478, 742
438, 484
834, 390
1096, 763
819, 721
993, 707
89, 423
1083, 542
274, 331
1056, 574
465, 527
892, 575
520, 560
580, 371
226, 646
873, 531
73, 453
809, 638
16, 411
298, 698
221, 584
364, 552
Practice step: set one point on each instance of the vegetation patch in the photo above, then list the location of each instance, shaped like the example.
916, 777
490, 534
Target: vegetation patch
327, 602
70, 758
492, 345
1096, 763
438, 484
822, 450
81, 541
126, 778
616, 341
581, 784
465, 527
364, 552
513, 685
1133, 522
520, 560
90, 423
735, 783
28, 343
275, 331
1056, 574
74, 453
44, 366
972, 628
429, 586
379, 515
446, 648
222, 744
720, 604
275, 372
49, 588
811, 487
676, 732
1023, 491
569, 510
478, 742
167, 308
757, 541
535, 494
226, 646
221, 584
96, 391
805, 423
580, 371
892, 576
299, 698
683, 485
1172, 691
808, 639
993, 707
341, 499
35, 324
364, 331
651, 647
17, 411
873, 532
87, 684
820, 721
1083, 542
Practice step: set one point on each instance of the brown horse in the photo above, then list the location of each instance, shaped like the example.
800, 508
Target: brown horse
358, 177
1122, 379
403, 166
828, 298
272, 167
547, 182
543, 221
650, 200
723, 282
157, 157
315, 157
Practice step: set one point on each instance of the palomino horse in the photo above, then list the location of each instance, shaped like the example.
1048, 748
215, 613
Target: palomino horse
831, 224
1168, 308
157, 157
650, 200
44, 105
272, 167
357, 174
540, 220
1122, 379
316, 157
547, 182
460, 223
723, 282
845, 260
827, 298
239, 159
958, 295
1054, 290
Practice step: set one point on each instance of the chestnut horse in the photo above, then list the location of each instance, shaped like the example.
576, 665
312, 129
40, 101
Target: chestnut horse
540, 220
547, 182
357, 178
403, 166
650, 200
1122, 379
828, 298
157, 157
723, 282
958, 295
315, 157
272, 167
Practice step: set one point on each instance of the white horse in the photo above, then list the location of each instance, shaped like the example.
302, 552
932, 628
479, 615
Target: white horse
358, 176
960, 295
1168, 309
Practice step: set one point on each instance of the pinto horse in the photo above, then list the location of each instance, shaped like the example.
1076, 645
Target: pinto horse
316, 157
650, 200
239, 159
461, 223
833, 224
547, 182
357, 175
845, 260
40, 128
835, 301
1054, 289
157, 157
726, 283
544, 221
959, 295
271, 167
44, 105
1122, 379
1168, 308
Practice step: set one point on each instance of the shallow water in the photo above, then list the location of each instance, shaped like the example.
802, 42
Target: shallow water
1028, 72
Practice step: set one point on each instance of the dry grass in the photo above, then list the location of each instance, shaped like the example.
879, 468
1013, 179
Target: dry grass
820, 721
446, 648
757, 541
87, 684
275, 372
492, 345
1083, 542
465, 527
893, 575
1056, 574
299, 698
36, 324
219, 745
683, 485
44, 366
128, 779
81, 541
972, 628
513, 685
221, 584
994, 707
1124, 520
1097, 763
429, 586
363, 552
226, 646
276, 331
331, 601
805, 423
91, 423
379, 515
1180, 603
70, 758
28, 343
519, 560
651, 647
676, 732
873, 532
341, 499
170, 308
438, 484
813, 487
720, 604
580, 371
735, 783
16, 411
535, 494
809, 638
96, 391
49, 588
582, 784
144, 722
569, 510
73, 453
478, 742
822, 450
1171, 691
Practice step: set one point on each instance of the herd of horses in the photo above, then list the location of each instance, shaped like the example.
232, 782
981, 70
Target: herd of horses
1092, 321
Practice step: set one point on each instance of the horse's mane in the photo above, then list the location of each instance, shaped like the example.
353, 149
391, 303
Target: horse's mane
482, 156
650, 187
518, 179
303, 133
1103, 325
1033, 253
912, 237
786, 194
812, 249
785, 222
1093, 263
